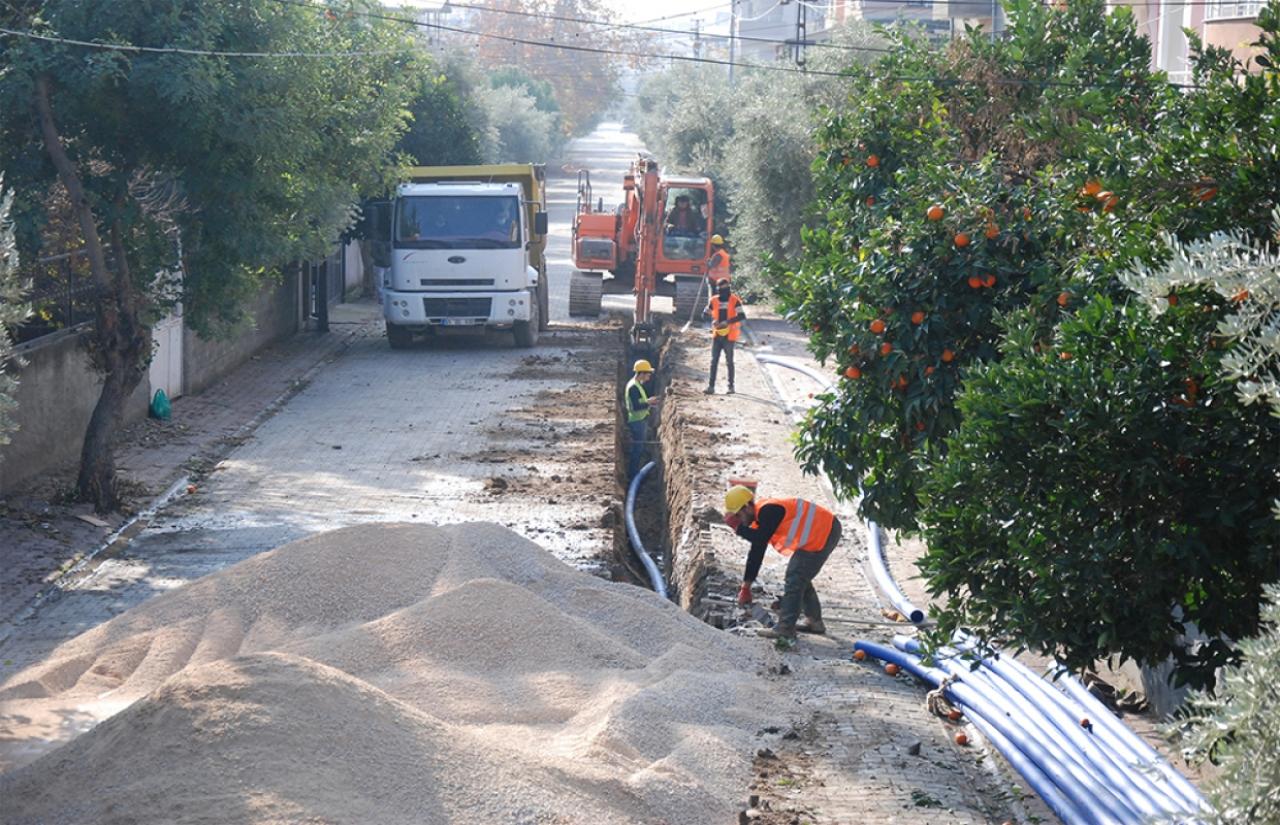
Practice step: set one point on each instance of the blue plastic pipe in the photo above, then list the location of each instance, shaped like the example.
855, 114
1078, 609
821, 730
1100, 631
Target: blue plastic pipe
1009, 705
1062, 805
655, 576
1141, 751
1098, 743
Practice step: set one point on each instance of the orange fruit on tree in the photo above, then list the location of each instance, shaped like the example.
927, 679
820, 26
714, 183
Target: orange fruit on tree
886, 348
871, 201
935, 212
920, 426
901, 383
1091, 188
1173, 300
928, 370
917, 318
891, 669
1241, 296
1026, 213
1064, 356
1063, 298
975, 282
948, 356
877, 326
1207, 193
853, 372
989, 281
992, 232
962, 240
855, 349
873, 161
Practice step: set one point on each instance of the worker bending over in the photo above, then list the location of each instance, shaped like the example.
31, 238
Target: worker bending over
796, 528
637, 403
725, 311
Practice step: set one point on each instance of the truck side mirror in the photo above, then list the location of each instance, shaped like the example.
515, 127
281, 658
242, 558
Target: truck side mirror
540, 223
378, 214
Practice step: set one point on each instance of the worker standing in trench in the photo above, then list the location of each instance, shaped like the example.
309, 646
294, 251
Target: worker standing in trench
797, 528
637, 404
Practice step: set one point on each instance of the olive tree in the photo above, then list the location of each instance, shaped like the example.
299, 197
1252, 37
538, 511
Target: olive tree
215, 140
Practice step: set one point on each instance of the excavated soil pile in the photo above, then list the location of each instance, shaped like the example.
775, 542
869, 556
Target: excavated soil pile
393, 674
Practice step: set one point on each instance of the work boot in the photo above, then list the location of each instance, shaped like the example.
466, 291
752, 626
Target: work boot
730, 392
814, 626
710, 390
779, 631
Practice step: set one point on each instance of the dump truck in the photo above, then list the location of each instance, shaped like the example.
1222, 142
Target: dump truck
462, 248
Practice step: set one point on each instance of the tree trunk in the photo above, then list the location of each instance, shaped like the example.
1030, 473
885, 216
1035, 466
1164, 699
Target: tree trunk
122, 342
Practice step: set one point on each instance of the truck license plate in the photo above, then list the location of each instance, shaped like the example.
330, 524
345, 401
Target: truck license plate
457, 322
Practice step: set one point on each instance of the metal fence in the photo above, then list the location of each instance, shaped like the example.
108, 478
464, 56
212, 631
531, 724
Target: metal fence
62, 295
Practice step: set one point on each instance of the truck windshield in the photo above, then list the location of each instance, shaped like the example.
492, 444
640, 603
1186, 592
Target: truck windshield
457, 222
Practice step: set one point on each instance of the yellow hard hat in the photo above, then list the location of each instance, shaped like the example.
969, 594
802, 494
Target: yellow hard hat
737, 497
642, 366
717, 240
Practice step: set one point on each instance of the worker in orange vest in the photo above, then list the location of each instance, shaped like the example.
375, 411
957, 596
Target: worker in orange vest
718, 263
725, 311
797, 528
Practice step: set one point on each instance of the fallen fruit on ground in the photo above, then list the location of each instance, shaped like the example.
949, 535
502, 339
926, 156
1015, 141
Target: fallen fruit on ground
962, 738
955, 715
891, 669
860, 655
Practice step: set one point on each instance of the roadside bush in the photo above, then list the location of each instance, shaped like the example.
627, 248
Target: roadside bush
1237, 728
517, 131
13, 311
441, 132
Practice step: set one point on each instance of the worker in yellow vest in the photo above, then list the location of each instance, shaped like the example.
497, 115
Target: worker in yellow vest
637, 404
718, 263
725, 311
797, 528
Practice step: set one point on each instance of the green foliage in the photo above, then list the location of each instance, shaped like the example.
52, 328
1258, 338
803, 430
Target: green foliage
1087, 504
1237, 727
254, 161
13, 311
441, 133
1106, 490
517, 131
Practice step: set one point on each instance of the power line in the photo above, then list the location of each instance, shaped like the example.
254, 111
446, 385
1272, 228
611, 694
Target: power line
129, 47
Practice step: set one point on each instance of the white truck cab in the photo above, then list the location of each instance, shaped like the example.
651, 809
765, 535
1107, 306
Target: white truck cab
465, 251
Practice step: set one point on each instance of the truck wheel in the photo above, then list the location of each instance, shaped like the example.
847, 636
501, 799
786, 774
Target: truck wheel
585, 291
689, 292
526, 332
399, 337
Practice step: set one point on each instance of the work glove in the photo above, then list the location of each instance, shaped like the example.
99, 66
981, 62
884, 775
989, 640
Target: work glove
744, 594
733, 521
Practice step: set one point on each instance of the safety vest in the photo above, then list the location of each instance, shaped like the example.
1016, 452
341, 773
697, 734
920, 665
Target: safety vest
806, 526
635, 415
734, 329
718, 265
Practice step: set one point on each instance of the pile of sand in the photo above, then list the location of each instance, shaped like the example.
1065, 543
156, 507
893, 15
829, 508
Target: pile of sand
390, 674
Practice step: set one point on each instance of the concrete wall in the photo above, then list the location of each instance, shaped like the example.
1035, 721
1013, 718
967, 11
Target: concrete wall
57, 391
275, 315
58, 388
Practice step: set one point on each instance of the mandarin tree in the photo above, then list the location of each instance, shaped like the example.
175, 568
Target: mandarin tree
948, 190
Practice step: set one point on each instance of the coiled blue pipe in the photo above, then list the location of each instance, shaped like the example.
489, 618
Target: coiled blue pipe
655, 577
1062, 805
1010, 707
1099, 743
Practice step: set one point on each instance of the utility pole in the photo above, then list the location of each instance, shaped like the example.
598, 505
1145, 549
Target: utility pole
802, 33
733, 35
697, 37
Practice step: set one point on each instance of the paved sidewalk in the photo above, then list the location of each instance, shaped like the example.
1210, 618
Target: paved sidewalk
43, 534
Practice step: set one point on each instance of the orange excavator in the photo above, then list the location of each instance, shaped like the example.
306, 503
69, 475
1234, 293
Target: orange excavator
662, 228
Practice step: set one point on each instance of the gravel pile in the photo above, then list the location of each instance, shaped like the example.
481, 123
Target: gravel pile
389, 674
